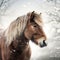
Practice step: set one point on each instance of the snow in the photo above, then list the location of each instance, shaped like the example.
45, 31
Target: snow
51, 17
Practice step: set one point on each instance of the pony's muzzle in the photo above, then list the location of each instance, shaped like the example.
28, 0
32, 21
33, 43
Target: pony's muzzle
43, 43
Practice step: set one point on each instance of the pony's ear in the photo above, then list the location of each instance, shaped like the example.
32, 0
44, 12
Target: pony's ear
40, 14
32, 16
33, 12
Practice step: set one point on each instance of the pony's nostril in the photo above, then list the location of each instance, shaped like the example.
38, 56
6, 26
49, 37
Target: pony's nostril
43, 44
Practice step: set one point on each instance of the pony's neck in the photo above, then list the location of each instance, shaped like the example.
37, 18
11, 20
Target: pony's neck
20, 41
24, 39
18, 45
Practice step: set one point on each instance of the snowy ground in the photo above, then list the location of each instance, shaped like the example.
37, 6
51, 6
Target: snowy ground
51, 16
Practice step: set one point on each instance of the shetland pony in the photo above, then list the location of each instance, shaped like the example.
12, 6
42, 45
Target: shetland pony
14, 41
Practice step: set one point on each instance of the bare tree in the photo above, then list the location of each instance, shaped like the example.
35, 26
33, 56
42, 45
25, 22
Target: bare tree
4, 5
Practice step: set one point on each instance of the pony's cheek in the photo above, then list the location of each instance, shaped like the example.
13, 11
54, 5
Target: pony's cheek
28, 35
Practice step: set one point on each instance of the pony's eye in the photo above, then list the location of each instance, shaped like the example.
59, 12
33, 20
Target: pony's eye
35, 26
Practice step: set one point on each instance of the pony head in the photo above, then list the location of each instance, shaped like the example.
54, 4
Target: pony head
34, 29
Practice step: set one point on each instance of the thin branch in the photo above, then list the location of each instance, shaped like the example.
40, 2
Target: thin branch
1, 3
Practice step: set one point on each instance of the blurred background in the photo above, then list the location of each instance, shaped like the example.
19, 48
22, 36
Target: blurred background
50, 9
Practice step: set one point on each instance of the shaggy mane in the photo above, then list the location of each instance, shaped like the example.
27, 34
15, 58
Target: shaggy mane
15, 29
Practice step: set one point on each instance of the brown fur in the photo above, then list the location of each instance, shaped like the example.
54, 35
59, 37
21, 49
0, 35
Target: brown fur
14, 41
